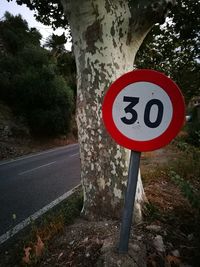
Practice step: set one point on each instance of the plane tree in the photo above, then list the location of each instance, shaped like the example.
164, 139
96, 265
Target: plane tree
106, 37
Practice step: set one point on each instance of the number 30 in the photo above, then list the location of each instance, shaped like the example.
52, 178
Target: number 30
133, 102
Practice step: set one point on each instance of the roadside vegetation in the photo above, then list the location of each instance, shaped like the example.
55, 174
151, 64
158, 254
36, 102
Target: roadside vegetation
36, 83
173, 48
32, 245
170, 229
172, 188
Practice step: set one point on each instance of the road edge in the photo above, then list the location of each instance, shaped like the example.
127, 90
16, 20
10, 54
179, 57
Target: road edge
20, 226
35, 154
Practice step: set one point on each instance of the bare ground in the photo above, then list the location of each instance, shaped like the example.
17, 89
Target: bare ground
170, 231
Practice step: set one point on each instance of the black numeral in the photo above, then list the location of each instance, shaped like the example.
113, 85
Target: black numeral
133, 102
147, 111
129, 109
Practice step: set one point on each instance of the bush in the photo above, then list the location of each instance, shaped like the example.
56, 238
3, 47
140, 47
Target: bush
31, 82
49, 122
36, 91
46, 101
193, 129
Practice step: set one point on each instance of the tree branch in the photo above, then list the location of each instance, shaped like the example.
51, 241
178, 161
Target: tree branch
145, 13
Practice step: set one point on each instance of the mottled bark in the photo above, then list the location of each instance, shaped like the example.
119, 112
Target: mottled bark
106, 36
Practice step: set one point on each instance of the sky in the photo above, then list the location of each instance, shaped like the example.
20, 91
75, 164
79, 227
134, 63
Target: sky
28, 15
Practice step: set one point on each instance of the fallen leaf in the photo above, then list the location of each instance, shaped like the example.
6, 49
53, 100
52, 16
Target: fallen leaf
173, 260
85, 240
60, 255
71, 254
26, 259
39, 247
151, 261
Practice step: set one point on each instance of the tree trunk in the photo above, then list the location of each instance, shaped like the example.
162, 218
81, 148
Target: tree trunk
106, 36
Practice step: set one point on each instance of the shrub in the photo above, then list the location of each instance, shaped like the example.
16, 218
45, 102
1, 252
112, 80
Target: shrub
194, 129
31, 82
36, 91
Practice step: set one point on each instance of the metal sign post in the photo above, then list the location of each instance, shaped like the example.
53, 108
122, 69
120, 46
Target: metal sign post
129, 201
143, 110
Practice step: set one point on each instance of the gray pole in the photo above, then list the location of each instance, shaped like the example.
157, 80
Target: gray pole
129, 201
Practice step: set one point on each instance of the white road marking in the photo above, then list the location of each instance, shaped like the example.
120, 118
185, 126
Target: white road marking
74, 155
36, 215
36, 168
36, 154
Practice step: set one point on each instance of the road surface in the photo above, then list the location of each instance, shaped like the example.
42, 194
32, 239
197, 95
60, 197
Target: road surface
29, 183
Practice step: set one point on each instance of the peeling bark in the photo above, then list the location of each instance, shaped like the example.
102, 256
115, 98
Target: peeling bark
106, 36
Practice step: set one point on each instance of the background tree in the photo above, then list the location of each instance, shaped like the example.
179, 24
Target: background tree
15, 33
67, 68
47, 12
56, 44
30, 81
106, 36
174, 48
65, 59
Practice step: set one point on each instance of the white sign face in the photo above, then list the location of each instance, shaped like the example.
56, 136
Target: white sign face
142, 111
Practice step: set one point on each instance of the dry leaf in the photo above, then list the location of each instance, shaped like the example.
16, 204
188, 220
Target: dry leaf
173, 260
150, 261
60, 255
39, 247
26, 259
71, 254
85, 240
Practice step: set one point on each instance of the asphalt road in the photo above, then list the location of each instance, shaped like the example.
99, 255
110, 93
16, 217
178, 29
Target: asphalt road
32, 182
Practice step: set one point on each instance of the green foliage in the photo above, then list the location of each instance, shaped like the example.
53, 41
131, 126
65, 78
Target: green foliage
32, 84
15, 33
181, 143
174, 47
53, 119
67, 68
47, 227
65, 60
187, 164
194, 134
185, 172
48, 12
193, 128
187, 189
151, 212
56, 44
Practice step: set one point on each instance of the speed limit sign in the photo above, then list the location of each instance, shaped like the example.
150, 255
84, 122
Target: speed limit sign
143, 110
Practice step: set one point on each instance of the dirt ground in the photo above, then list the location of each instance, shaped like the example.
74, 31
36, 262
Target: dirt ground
16, 139
176, 220
170, 230
14, 147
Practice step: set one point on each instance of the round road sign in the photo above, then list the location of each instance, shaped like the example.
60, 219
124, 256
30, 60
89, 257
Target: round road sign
143, 110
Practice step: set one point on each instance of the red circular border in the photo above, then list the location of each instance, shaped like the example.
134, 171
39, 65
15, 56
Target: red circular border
172, 90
